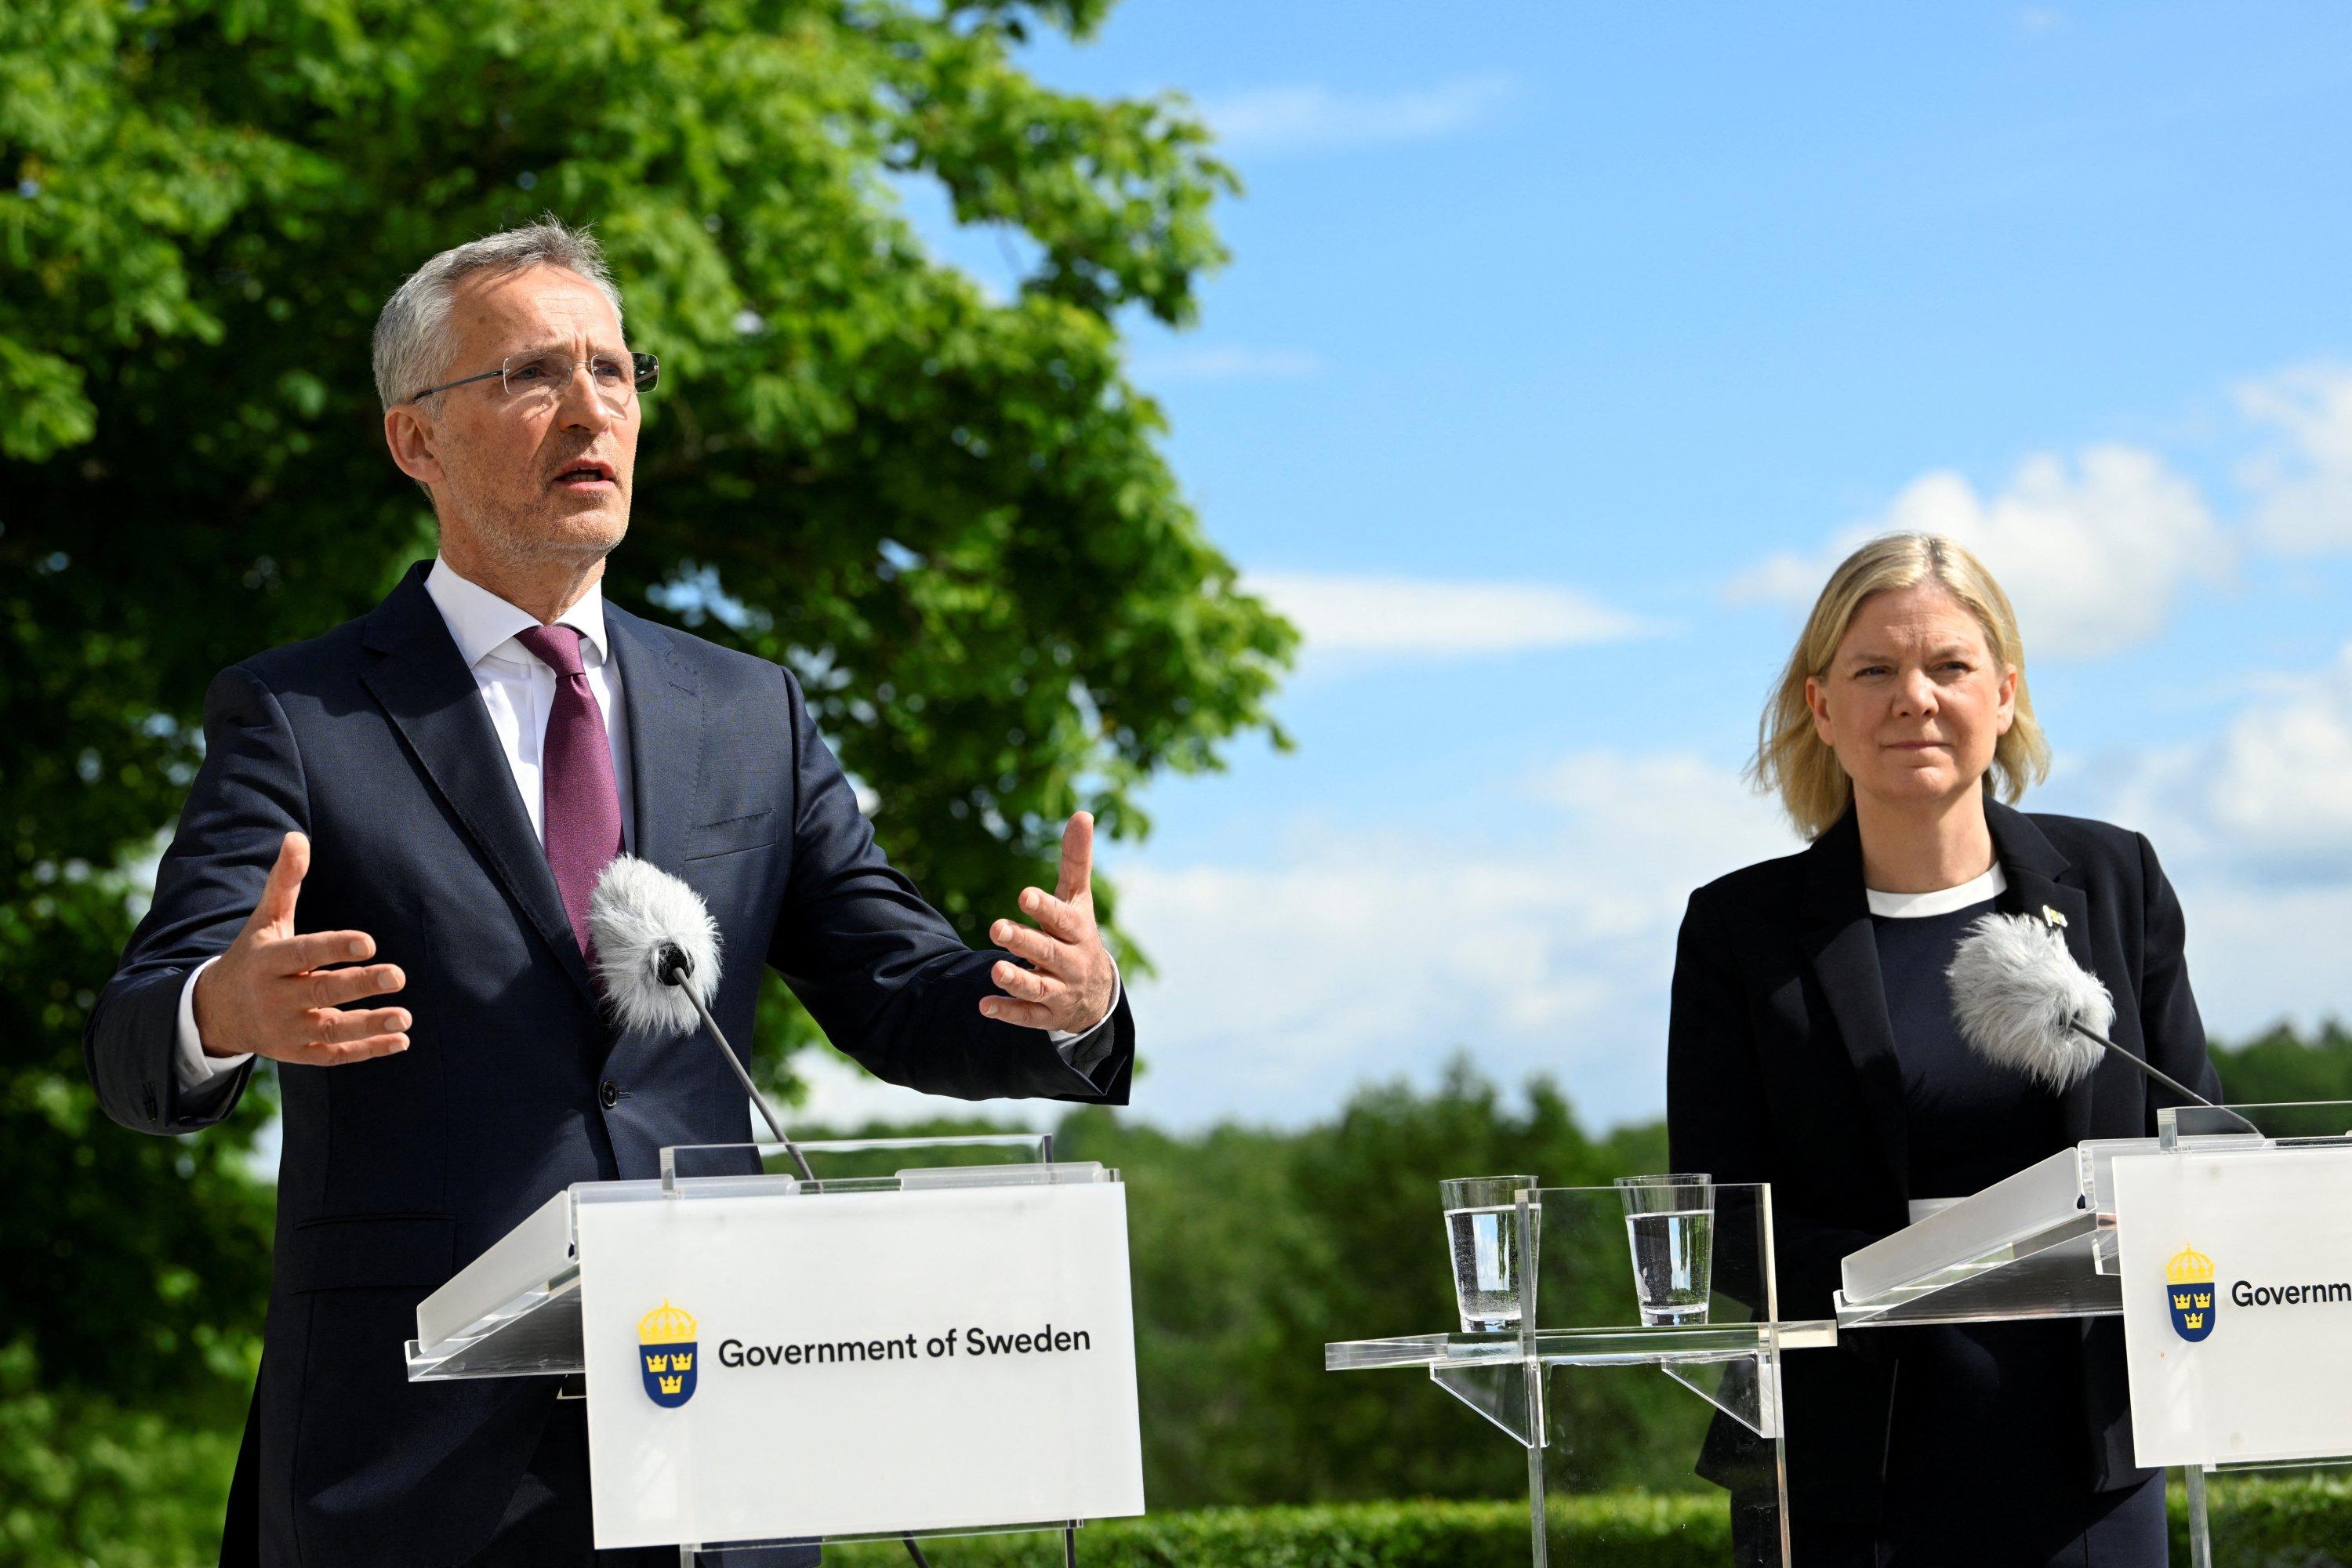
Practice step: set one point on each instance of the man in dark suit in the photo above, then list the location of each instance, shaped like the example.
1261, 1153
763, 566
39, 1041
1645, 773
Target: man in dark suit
380, 881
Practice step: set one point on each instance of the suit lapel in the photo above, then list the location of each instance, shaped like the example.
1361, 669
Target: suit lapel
2034, 868
664, 703
429, 695
1843, 949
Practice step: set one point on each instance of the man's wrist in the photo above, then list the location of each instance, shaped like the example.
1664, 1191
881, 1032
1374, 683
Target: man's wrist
193, 1062
1059, 1038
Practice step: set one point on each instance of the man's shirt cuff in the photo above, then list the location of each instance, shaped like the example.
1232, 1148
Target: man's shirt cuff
190, 1064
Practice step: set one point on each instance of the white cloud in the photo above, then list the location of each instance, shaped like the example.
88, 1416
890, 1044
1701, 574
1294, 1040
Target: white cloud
2093, 555
1285, 982
1227, 363
1309, 117
2253, 825
2282, 787
2265, 802
2302, 483
1424, 618
2260, 954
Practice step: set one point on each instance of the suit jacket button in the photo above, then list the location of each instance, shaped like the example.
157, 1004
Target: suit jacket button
610, 1094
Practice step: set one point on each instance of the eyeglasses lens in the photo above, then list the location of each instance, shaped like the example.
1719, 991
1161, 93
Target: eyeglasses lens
533, 380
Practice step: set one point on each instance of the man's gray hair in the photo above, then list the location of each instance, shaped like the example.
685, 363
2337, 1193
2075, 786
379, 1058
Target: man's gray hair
411, 334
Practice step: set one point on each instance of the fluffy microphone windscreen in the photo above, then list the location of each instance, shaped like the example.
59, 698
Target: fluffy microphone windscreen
636, 910
2015, 989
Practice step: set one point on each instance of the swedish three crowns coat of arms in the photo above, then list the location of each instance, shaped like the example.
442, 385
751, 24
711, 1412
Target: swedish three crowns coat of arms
2189, 1284
666, 1355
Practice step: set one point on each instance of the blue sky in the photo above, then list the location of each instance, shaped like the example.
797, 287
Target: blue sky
1564, 349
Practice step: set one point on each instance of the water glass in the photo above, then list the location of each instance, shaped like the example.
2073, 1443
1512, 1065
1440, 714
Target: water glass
1670, 1226
1482, 1228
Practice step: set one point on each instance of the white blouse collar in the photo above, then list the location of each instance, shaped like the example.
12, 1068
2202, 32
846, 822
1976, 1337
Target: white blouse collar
1943, 900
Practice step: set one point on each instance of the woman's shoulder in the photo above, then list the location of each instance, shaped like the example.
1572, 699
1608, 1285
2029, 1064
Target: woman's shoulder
2086, 841
1767, 884
2102, 849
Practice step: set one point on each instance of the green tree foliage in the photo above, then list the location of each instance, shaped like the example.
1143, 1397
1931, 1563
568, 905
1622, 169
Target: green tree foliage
946, 511
2282, 1065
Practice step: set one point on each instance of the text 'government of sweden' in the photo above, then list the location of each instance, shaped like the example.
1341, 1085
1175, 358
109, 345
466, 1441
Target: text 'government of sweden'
971, 1341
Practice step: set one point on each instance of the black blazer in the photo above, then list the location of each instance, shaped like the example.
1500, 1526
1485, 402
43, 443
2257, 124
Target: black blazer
1781, 1067
397, 1172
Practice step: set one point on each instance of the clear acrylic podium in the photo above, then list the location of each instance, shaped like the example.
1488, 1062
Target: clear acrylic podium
1688, 1414
516, 1311
2044, 1244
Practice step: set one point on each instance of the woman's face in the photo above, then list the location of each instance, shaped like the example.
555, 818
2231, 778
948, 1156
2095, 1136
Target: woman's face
1913, 700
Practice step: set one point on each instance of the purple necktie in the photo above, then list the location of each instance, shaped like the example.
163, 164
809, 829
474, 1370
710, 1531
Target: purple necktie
580, 809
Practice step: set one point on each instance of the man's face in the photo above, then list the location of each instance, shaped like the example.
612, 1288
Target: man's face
510, 463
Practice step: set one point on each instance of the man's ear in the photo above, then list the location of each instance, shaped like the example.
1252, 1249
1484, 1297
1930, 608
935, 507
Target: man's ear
414, 443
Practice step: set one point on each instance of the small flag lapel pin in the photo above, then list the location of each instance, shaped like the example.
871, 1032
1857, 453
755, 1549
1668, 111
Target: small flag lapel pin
2052, 916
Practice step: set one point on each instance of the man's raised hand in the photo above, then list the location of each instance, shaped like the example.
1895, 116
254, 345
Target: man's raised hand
1071, 980
274, 994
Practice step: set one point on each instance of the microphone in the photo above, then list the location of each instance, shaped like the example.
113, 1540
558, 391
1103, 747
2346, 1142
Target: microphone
658, 955
2022, 1003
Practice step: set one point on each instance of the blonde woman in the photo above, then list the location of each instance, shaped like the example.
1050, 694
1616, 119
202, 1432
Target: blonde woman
1813, 1046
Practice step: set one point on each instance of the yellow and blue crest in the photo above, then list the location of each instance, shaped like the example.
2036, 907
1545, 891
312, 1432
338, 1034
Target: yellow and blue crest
2188, 1285
665, 1351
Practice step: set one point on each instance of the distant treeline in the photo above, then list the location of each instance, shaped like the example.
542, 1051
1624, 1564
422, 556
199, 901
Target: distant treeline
2284, 1065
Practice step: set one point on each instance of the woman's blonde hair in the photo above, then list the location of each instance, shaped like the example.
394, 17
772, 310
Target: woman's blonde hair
1795, 761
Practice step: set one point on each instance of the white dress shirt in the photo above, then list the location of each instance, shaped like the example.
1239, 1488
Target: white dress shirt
518, 692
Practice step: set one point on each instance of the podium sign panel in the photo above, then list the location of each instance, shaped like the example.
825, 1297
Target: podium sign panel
2237, 1300
855, 1363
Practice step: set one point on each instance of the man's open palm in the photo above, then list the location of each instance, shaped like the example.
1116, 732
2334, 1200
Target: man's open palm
274, 994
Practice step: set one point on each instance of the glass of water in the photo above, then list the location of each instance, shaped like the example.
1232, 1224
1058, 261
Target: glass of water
1481, 1228
1670, 1226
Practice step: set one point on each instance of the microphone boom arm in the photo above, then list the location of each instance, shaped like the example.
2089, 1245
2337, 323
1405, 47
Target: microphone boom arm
674, 973
2151, 1069
767, 1112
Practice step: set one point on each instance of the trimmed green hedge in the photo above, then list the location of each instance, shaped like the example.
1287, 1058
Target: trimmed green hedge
1627, 1531
1641, 1531
2270, 1521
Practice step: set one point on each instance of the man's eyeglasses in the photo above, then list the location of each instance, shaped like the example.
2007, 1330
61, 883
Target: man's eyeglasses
533, 381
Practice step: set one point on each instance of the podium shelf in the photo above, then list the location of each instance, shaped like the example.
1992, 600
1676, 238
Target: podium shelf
1580, 1347
2040, 1244
542, 1339
514, 1311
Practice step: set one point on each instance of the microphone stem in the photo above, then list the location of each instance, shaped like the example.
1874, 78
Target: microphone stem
775, 1125
2160, 1075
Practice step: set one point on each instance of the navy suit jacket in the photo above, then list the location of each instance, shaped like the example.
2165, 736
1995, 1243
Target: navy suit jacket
1781, 1067
397, 1172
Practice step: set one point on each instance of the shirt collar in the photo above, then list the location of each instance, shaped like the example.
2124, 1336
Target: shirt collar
1943, 900
482, 624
